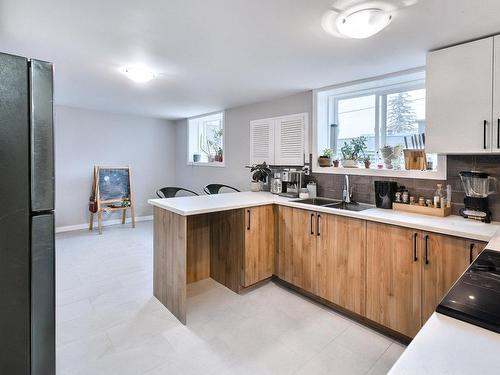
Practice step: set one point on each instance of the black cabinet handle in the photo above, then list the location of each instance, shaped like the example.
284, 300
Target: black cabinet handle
312, 229
415, 258
318, 226
471, 253
498, 133
484, 133
426, 249
248, 226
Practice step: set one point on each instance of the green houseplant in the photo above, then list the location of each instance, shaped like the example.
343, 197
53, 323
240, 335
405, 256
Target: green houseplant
325, 160
260, 173
352, 151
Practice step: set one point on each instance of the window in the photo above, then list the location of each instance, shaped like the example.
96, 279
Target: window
206, 140
389, 113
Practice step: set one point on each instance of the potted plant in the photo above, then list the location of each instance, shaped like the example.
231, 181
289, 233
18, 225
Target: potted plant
352, 151
325, 160
260, 174
367, 160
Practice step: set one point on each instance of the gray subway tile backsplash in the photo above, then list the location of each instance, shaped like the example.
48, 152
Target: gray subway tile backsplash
363, 186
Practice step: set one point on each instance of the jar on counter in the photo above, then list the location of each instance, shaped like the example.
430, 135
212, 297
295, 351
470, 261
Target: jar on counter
304, 193
311, 186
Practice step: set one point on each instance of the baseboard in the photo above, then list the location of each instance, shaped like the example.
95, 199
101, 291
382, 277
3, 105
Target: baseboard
69, 228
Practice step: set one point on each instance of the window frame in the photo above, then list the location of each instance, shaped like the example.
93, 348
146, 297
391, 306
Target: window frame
383, 85
219, 164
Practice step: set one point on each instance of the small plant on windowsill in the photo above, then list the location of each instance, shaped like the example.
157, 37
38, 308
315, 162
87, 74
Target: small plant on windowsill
352, 151
367, 160
325, 160
260, 174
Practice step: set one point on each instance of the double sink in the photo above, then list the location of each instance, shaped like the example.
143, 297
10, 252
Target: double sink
335, 203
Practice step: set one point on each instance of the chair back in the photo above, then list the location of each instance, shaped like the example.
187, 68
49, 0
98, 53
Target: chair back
171, 191
215, 188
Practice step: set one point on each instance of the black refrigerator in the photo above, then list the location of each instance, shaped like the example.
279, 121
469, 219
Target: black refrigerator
27, 259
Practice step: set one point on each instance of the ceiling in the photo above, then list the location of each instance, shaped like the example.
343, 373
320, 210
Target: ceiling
217, 54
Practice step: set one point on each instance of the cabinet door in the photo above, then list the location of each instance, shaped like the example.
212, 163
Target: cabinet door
262, 141
459, 83
290, 139
259, 244
475, 248
393, 277
341, 253
444, 259
304, 249
285, 243
496, 94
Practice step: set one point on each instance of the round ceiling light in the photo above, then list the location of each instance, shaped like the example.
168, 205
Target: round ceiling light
138, 73
363, 23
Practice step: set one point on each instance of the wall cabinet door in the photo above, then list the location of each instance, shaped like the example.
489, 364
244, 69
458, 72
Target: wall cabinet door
340, 261
444, 259
260, 244
290, 139
262, 141
459, 84
496, 95
393, 277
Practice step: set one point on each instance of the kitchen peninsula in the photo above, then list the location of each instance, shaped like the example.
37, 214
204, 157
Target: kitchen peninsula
368, 264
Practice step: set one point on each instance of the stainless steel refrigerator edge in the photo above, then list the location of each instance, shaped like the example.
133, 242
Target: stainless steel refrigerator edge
27, 259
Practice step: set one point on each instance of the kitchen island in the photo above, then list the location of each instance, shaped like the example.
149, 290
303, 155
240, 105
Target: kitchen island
241, 239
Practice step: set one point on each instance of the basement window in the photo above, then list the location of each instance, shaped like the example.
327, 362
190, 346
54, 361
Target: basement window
388, 114
206, 140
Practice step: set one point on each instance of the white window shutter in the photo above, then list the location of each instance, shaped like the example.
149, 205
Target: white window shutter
262, 141
290, 139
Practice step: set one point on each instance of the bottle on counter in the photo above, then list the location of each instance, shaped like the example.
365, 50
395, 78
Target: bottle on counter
439, 197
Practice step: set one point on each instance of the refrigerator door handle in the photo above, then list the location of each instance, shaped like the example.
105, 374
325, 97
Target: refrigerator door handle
42, 136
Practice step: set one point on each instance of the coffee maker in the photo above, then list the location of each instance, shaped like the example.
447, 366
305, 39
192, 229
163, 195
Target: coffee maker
477, 189
291, 182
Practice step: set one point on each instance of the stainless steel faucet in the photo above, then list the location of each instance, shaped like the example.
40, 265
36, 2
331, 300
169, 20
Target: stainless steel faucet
346, 193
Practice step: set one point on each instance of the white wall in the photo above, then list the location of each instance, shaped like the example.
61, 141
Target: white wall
84, 138
237, 143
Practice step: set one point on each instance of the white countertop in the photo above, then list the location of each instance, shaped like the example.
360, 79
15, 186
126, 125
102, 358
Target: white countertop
446, 345
451, 225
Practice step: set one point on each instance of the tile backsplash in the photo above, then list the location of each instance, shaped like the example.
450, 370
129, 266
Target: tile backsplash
363, 187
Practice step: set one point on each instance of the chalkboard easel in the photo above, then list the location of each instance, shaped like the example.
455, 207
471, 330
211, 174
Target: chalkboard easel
111, 192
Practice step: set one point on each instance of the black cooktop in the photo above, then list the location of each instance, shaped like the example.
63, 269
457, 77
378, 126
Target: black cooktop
475, 297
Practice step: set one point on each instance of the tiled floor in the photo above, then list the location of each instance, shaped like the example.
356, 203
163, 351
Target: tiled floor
108, 322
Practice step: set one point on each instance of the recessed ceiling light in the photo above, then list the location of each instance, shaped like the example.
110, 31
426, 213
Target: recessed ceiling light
363, 23
138, 73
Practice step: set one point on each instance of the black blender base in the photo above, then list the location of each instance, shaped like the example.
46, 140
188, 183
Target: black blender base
477, 209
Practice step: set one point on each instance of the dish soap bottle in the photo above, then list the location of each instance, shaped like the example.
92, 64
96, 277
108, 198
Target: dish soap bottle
438, 197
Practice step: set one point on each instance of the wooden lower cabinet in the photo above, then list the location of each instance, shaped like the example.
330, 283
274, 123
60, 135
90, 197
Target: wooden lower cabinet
340, 261
297, 247
393, 277
260, 244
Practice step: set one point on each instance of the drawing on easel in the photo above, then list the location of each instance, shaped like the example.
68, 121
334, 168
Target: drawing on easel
111, 192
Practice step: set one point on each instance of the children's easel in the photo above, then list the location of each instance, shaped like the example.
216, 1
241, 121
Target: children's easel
111, 192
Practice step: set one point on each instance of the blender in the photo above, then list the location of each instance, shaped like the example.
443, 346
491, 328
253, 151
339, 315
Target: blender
477, 189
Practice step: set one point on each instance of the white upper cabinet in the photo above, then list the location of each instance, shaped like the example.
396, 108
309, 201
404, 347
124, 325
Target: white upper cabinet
459, 86
261, 141
496, 96
279, 140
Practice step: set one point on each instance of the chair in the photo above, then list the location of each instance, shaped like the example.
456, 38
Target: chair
215, 188
171, 191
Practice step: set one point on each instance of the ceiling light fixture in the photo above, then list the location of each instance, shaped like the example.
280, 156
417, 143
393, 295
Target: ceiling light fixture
363, 23
138, 73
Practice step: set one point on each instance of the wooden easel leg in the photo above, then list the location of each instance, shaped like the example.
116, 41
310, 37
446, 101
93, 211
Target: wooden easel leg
132, 216
91, 222
124, 215
99, 220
